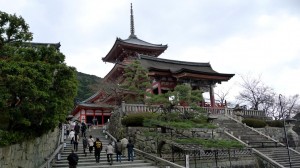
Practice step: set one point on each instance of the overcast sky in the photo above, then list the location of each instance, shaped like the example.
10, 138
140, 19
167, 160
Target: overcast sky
256, 37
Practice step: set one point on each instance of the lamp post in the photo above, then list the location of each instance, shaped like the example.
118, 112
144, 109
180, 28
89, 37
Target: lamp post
284, 129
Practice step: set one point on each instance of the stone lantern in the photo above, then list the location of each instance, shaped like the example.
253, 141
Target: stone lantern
291, 135
238, 112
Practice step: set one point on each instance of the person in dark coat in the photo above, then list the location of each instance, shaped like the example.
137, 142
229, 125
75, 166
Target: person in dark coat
83, 129
84, 144
77, 128
130, 147
73, 159
76, 141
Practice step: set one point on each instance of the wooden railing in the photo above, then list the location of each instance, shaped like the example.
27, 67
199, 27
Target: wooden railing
135, 108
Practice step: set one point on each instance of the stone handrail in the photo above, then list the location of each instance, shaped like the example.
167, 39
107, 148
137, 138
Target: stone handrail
135, 108
149, 156
157, 159
110, 136
265, 157
49, 160
259, 154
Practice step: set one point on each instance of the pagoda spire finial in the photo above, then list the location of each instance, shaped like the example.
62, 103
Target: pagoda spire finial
132, 35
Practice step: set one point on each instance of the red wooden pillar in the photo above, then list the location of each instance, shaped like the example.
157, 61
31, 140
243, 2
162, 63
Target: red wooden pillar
212, 96
159, 88
80, 116
102, 118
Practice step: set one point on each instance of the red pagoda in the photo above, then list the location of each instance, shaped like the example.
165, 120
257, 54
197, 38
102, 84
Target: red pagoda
165, 74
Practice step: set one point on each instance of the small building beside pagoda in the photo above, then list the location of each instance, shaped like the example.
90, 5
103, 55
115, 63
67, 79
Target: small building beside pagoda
164, 74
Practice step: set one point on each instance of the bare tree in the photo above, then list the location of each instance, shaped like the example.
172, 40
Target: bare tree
288, 106
256, 93
263, 97
222, 95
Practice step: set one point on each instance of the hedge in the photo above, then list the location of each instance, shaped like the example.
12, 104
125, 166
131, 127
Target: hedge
255, 123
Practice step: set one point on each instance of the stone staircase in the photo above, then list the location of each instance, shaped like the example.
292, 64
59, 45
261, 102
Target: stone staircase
250, 137
265, 145
89, 160
280, 155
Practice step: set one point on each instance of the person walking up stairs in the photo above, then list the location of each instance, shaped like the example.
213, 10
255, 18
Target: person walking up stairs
98, 149
89, 160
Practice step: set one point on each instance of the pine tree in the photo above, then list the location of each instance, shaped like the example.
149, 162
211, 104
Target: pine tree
136, 80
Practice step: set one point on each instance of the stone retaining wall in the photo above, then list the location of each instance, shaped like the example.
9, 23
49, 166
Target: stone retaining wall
150, 144
30, 154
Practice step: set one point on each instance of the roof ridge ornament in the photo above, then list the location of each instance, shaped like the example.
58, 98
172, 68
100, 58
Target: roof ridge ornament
132, 35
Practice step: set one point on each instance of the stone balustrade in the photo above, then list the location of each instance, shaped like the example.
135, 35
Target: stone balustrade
135, 108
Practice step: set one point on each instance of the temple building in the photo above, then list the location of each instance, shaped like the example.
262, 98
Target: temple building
165, 74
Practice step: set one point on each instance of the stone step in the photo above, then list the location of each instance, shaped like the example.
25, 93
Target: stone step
294, 165
278, 154
254, 138
81, 155
106, 164
92, 158
102, 160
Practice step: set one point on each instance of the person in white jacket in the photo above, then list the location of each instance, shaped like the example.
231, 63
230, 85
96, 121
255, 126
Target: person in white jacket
124, 143
91, 143
109, 152
71, 136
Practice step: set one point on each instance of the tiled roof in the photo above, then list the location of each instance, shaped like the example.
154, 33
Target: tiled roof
174, 66
35, 44
132, 43
137, 41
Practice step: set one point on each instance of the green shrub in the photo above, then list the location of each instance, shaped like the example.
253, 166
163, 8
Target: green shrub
137, 119
275, 123
185, 124
8, 138
150, 122
200, 119
255, 123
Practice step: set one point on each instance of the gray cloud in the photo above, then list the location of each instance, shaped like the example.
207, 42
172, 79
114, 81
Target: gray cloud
236, 36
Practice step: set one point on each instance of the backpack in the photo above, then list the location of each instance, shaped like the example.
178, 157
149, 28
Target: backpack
84, 142
98, 144
73, 159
